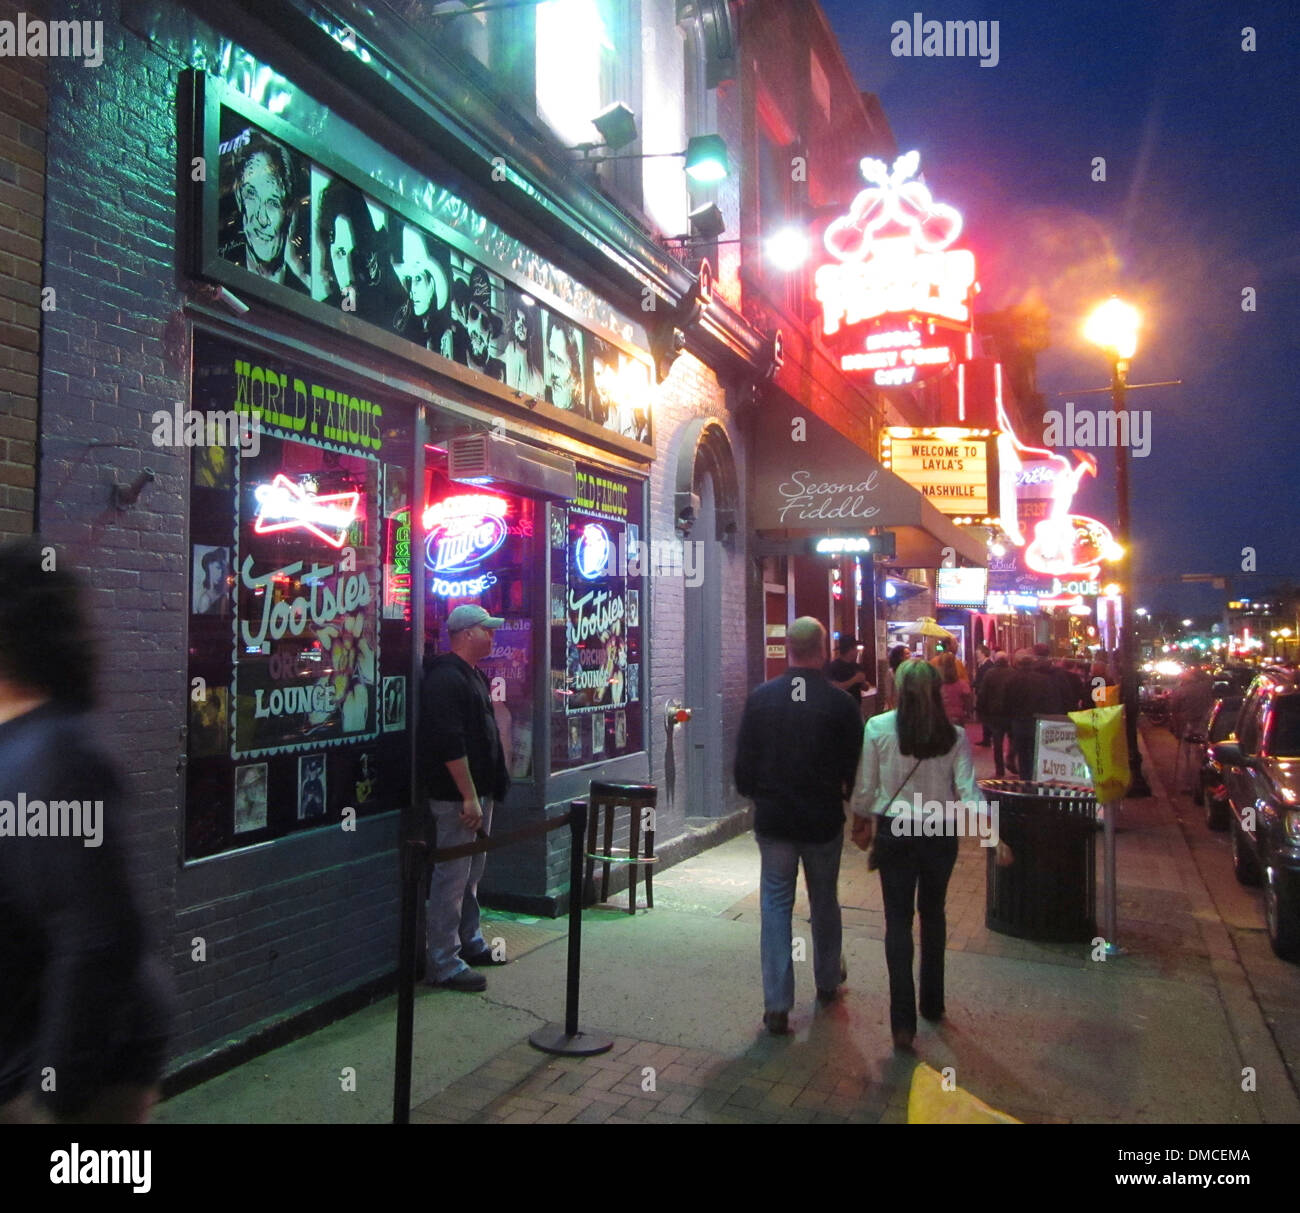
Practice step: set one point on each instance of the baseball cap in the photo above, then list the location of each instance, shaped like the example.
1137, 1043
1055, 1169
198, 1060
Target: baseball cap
468, 615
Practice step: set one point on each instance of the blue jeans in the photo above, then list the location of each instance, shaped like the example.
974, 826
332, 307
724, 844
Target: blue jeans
453, 915
780, 871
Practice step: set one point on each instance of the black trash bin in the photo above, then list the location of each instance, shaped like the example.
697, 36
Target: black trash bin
1049, 892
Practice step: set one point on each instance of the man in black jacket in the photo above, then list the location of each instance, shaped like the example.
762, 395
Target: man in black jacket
796, 758
86, 1006
465, 773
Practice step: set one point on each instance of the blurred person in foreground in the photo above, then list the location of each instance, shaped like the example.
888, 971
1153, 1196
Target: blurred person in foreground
86, 1008
795, 758
911, 757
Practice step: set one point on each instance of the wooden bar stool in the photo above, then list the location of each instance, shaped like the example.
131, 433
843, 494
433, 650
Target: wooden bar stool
641, 799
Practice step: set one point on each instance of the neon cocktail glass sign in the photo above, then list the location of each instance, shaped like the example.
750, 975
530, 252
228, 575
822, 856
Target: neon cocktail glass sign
894, 270
463, 531
283, 505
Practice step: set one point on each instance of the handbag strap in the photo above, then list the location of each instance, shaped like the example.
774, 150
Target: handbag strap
902, 785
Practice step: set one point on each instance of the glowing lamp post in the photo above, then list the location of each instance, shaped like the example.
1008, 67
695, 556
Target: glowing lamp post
1113, 326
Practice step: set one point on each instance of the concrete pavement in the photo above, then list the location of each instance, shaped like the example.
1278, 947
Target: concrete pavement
1172, 1032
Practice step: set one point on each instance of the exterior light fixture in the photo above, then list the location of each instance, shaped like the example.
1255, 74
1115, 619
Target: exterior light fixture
707, 221
1113, 326
788, 249
706, 159
617, 126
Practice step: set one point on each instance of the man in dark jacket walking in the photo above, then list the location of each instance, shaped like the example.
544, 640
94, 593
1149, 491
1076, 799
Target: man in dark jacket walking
1031, 692
465, 774
796, 758
991, 703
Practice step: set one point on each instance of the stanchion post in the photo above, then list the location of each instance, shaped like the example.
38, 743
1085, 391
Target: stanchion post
412, 869
577, 833
1111, 811
566, 1039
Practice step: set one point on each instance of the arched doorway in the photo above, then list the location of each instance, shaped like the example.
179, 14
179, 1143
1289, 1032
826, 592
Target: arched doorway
707, 487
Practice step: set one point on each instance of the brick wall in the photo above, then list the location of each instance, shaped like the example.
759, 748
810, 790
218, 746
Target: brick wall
22, 219
116, 347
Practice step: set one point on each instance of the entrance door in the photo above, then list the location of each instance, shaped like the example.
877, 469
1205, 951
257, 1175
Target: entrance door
703, 618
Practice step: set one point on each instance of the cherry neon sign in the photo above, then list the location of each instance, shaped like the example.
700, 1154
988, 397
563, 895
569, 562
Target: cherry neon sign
896, 290
283, 505
463, 531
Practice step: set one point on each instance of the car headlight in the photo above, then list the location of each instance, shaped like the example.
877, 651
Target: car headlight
1292, 820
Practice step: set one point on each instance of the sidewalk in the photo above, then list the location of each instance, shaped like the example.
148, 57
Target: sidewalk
1039, 1031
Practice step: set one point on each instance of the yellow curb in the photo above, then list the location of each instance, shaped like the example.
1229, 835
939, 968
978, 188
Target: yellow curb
929, 1104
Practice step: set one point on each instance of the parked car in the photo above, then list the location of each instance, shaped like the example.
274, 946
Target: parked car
1210, 790
1261, 773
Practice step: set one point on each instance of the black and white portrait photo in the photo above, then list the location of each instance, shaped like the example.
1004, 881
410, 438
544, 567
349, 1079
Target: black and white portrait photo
423, 267
265, 209
565, 386
353, 269
522, 353
211, 580
477, 318
311, 787
394, 704
250, 797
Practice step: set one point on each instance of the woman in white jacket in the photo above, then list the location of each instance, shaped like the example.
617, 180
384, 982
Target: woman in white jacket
915, 792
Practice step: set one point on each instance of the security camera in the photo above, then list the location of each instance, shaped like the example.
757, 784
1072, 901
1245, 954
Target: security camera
212, 293
232, 301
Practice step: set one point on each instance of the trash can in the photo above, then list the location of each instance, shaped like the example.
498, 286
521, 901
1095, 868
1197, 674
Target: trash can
1049, 892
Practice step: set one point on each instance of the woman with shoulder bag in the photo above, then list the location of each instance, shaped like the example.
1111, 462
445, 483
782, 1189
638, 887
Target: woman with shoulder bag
912, 757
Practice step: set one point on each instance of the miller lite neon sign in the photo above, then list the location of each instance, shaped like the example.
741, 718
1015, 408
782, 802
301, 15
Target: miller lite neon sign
460, 533
897, 295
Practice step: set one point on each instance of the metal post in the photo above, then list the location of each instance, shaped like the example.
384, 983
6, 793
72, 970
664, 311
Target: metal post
1138, 786
566, 1038
1110, 926
412, 871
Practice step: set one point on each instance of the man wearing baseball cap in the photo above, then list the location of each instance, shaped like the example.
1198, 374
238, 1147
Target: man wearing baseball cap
465, 773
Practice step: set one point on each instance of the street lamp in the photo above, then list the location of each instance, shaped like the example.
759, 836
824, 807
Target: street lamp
1113, 326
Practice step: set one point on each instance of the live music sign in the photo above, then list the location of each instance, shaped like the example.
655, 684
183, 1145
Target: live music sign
896, 299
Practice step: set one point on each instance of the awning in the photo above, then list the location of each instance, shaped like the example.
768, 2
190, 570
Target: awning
812, 480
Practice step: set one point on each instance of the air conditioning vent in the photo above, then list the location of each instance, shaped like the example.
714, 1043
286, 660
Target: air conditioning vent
500, 460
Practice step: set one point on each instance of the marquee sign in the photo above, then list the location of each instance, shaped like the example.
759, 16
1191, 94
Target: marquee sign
950, 467
897, 297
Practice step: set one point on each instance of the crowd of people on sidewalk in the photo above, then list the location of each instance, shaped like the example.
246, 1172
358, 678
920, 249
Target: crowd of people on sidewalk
803, 756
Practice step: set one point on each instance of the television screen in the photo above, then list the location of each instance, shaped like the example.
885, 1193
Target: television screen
961, 587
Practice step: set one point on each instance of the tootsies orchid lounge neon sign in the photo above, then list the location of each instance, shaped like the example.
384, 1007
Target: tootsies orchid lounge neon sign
460, 533
897, 297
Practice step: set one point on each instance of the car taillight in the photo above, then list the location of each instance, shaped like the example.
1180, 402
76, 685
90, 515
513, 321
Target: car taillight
1292, 820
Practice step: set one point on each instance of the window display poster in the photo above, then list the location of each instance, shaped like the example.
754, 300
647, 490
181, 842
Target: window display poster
288, 646
597, 640
307, 598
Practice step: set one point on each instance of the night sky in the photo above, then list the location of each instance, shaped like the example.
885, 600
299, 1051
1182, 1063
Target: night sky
1202, 148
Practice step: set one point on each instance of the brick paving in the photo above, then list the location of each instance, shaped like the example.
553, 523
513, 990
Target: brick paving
642, 1082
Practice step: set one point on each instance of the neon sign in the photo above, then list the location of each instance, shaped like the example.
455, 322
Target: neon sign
283, 505
895, 273
463, 531
593, 552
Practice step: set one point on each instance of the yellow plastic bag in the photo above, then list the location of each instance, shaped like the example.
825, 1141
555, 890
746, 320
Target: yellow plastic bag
928, 1103
1105, 750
